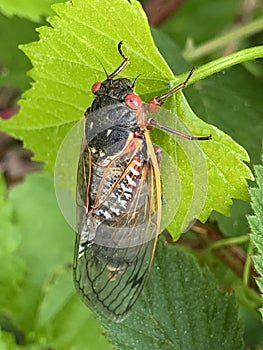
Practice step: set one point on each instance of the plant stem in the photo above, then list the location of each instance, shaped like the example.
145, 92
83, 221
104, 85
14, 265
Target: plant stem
228, 241
247, 266
193, 54
223, 63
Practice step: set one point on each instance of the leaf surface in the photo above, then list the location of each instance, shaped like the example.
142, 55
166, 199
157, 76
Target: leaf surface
180, 308
256, 225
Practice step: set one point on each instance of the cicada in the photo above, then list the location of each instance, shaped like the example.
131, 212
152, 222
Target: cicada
118, 195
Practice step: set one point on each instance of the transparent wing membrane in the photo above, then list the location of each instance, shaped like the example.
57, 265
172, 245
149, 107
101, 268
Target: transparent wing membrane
110, 280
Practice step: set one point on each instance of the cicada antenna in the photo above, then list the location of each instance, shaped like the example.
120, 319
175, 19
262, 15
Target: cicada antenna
134, 81
102, 65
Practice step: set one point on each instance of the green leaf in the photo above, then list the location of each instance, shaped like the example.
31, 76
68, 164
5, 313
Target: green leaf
169, 50
200, 20
232, 101
236, 224
7, 342
36, 270
44, 237
12, 265
226, 173
256, 225
74, 327
66, 63
180, 308
32, 10
13, 62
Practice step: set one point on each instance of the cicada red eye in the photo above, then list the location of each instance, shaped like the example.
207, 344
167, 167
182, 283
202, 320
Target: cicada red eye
95, 87
133, 101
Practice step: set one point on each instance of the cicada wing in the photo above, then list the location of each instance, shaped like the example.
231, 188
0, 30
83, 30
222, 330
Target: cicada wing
110, 275
83, 185
110, 280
